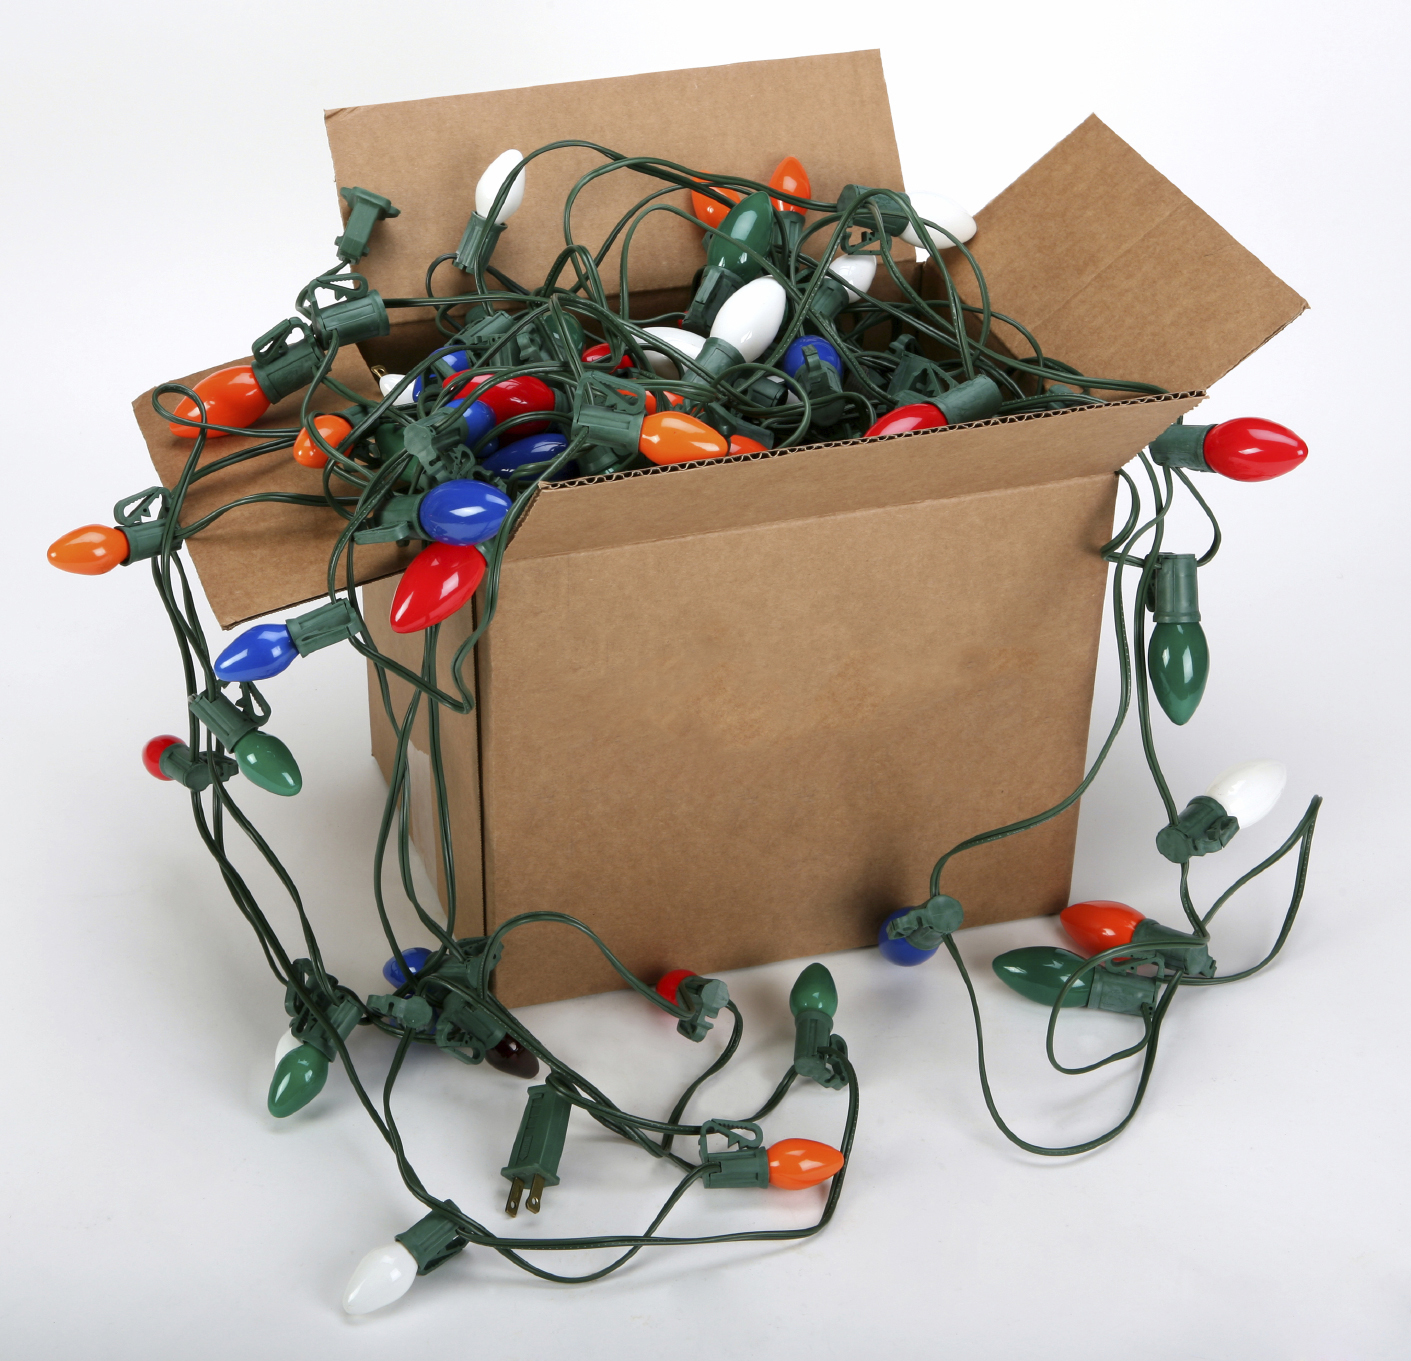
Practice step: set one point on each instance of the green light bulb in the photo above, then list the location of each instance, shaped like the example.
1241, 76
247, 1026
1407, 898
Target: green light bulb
749, 223
1178, 661
298, 1078
814, 990
268, 762
1039, 972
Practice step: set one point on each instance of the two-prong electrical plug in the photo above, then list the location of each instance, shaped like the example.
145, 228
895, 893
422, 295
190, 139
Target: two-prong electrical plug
537, 1148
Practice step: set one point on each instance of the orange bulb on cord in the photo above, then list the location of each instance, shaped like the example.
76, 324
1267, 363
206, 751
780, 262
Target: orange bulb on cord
231, 396
334, 430
743, 444
674, 437
90, 550
790, 177
797, 1164
1100, 924
708, 209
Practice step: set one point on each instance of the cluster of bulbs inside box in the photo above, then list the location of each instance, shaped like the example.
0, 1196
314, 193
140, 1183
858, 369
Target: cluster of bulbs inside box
451, 455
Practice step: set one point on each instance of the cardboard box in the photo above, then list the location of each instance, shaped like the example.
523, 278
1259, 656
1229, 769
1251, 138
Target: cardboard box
731, 712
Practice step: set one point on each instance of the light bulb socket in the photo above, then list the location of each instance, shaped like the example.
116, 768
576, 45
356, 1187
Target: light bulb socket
342, 1010
717, 286
227, 721
433, 1240
397, 522
791, 225
974, 400
1181, 446
744, 1166
889, 205
1202, 828
280, 367
365, 211
720, 418
927, 926
144, 539
1173, 595
813, 1038
824, 386
335, 622
194, 771
1125, 993
466, 1030
716, 357
1179, 951
705, 998
830, 298
478, 243
433, 441
412, 1013
352, 320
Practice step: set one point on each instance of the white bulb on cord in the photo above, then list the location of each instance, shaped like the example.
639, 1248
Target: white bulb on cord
388, 382
943, 212
489, 185
381, 1278
287, 1041
856, 272
1249, 790
751, 317
682, 341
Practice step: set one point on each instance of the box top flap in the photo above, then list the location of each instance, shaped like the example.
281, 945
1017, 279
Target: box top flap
1118, 273
426, 156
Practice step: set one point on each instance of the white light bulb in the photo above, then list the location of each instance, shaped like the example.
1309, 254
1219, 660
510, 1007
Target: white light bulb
382, 1277
389, 381
943, 212
1249, 790
286, 1043
489, 185
682, 341
856, 272
751, 317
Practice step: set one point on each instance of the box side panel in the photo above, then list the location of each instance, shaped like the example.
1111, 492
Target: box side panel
1116, 271
460, 755
751, 745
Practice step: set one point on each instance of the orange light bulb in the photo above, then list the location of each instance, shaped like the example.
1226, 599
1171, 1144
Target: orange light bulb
232, 397
790, 177
334, 429
671, 399
674, 437
1100, 924
708, 210
797, 1164
89, 551
743, 444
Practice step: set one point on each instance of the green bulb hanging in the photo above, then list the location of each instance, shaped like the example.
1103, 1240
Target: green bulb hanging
298, 1078
268, 762
1178, 658
814, 990
1039, 972
750, 223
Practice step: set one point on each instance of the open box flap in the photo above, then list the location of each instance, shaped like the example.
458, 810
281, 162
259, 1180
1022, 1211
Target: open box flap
1117, 272
427, 154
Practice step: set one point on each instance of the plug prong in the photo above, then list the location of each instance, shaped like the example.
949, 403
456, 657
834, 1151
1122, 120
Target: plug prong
512, 1204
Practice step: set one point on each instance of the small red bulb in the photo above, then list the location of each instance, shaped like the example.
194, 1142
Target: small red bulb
672, 981
512, 397
334, 430
791, 178
152, 754
915, 416
231, 396
1249, 449
595, 354
708, 210
797, 1164
90, 550
1100, 924
439, 580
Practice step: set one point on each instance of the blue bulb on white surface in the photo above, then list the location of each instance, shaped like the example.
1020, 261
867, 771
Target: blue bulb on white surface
900, 951
257, 654
793, 359
463, 512
531, 449
416, 959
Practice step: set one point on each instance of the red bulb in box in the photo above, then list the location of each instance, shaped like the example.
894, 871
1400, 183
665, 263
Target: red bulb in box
672, 981
1100, 924
1250, 449
231, 397
440, 579
595, 354
512, 397
913, 416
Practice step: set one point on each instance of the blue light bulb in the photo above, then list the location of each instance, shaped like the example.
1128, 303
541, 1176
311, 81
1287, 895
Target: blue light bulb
901, 951
479, 422
463, 512
531, 449
257, 654
793, 359
455, 362
416, 959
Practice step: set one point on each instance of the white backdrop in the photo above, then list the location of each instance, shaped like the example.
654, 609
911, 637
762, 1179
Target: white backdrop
167, 186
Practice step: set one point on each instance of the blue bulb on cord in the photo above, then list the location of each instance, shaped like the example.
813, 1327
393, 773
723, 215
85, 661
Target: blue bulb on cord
531, 449
416, 959
901, 951
463, 512
257, 654
479, 422
793, 359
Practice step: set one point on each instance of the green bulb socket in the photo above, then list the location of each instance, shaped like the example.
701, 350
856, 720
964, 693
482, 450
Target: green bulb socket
352, 320
1202, 828
739, 1169
707, 998
1174, 593
926, 927
791, 225
478, 243
280, 367
333, 623
814, 990
1181, 446
891, 206
734, 256
829, 299
193, 771
144, 540
715, 357
365, 211
813, 1035
975, 400
433, 1240
467, 1031
1179, 951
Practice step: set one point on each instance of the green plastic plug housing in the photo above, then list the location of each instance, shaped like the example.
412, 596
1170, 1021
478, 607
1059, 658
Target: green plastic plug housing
1202, 828
366, 210
537, 1148
433, 1240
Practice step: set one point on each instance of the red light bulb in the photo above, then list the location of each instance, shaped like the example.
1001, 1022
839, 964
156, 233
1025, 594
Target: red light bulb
1249, 449
595, 354
672, 981
742, 444
90, 550
708, 210
1100, 924
674, 437
152, 754
915, 416
790, 177
512, 397
440, 579
232, 397
334, 429
797, 1164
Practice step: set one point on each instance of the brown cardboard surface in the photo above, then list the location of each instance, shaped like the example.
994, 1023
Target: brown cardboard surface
1117, 272
426, 156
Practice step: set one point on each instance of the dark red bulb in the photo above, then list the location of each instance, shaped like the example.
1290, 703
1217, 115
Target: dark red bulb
1100, 924
1249, 449
439, 580
152, 754
914, 416
512, 397
511, 1057
669, 983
